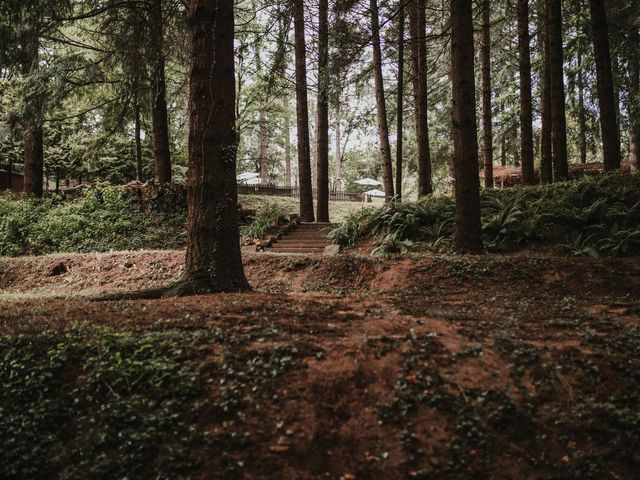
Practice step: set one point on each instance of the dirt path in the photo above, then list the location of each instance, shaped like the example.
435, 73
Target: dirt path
439, 367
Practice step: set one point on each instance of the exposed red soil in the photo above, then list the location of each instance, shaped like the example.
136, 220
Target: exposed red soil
431, 367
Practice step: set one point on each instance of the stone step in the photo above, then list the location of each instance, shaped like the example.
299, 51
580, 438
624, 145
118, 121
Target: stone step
299, 244
309, 241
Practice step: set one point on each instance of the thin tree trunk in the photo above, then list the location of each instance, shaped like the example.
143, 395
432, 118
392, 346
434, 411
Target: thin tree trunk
503, 150
634, 104
213, 262
338, 159
526, 104
417, 22
606, 100
137, 140
582, 121
558, 103
159, 116
302, 115
465, 131
263, 139
546, 154
322, 124
383, 125
287, 145
400, 104
487, 118
32, 124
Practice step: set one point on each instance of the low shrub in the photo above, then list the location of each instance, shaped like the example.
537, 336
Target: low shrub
590, 216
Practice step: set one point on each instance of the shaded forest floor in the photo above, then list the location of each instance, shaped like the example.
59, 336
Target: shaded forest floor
524, 366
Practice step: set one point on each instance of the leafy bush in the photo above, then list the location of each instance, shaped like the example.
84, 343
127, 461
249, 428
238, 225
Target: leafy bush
103, 219
267, 220
591, 216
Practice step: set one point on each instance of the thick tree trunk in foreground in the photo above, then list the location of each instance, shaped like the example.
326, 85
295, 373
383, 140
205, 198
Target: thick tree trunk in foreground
32, 136
467, 188
634, 105
546, 154
487, 127
213, 262
417, 20
383, 125
322, 125
526, 104
302, 115
400, 103
558, 103
159, 117
606, 100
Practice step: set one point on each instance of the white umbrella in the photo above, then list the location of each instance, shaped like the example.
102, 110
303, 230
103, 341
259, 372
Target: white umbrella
247, 176
375, 193
368, 181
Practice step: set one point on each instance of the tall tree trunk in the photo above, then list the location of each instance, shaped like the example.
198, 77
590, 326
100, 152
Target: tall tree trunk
582, 120
213, 262
263, 139
159, 117
338, 154
400, 104
32, 136
503, 150
526, 107
137, 139
546, 154
322, 124
608, 111
487, 117
558, 104
287, 144
417, 20
634, 103
467, 187
302, 115
383, 125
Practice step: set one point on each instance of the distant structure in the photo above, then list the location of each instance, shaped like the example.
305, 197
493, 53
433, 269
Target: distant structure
11, 178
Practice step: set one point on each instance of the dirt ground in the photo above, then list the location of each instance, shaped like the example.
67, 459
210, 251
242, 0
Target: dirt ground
523, 366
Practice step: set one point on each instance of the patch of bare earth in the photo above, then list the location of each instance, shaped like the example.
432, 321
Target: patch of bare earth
431, 367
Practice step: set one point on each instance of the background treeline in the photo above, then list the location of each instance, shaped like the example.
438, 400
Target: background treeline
96, 90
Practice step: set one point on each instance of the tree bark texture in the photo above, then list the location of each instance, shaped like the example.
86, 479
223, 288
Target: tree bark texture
302, 116
32, 136
213, 262
400, 103
558, 102
159, 116
606, 95
417, 20
322, 114
467, 183
487, 117
546, 154
383, 124
526, 104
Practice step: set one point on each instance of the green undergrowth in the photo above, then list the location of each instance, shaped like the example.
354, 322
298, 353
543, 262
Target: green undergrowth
592, 216
100, 220
265, 222
98, 403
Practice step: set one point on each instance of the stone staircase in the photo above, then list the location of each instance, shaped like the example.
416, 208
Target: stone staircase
304, 239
